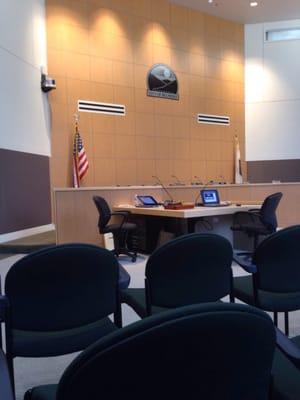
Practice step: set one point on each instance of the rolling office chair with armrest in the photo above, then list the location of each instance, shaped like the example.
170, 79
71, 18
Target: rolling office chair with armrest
190, 269
261, 222
120, 230
209, 351
275, 282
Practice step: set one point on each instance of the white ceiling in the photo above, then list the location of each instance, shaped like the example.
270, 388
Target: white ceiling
240, 10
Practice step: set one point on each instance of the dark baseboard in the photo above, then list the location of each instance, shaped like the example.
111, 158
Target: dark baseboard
270, 170
24, 191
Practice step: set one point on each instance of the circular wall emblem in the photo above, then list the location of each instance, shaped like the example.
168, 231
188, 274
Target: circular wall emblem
162, 82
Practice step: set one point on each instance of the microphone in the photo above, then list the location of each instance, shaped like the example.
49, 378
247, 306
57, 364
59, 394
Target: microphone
164, 188
223, 180
199, 181
178, 182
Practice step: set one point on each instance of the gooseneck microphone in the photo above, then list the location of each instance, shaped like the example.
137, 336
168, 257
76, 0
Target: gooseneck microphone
199, 181
164, 188
178, 181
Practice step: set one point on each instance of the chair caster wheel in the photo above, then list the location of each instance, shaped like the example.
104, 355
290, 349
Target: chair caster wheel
133, 259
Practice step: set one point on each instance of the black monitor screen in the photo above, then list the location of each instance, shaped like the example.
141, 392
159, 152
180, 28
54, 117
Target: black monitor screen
147, 200
210, 196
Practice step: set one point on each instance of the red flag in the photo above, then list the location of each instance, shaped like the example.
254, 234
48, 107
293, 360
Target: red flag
80, 161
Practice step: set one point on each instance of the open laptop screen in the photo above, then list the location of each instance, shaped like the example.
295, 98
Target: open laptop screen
147, 200
210, 196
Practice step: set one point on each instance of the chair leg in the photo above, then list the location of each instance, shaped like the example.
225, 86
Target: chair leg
28, 395
286, 323
276, 319
10, 366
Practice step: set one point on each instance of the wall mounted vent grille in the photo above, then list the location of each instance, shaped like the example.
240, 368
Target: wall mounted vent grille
213, 119
101, 108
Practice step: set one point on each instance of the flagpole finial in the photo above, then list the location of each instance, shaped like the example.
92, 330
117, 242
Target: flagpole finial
76, 118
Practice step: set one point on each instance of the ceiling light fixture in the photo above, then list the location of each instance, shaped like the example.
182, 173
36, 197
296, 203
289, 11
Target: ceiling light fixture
210, 1
253, 3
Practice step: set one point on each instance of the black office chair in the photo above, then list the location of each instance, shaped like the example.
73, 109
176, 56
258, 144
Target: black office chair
261, 222
209, 351
275, 281
190, 269
120, 230
59, 301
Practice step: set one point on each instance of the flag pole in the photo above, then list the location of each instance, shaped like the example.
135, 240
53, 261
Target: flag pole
75, 153
238, 162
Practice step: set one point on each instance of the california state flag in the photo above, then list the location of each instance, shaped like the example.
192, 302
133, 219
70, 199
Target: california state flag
238, 164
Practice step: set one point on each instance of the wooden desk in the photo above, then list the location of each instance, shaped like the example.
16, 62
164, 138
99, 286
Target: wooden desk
196, 212
217, 220
76, 215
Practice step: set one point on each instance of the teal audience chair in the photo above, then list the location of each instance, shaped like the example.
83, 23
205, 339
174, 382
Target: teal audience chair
59, 300
194, 268
274, 282
208, 351
286, 368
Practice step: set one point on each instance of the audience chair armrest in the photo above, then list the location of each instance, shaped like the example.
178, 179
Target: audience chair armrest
252, 215
124, 278
288, 348
5, 382
244, 259
4, 305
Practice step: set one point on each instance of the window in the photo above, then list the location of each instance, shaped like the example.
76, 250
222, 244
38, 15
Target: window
282, 34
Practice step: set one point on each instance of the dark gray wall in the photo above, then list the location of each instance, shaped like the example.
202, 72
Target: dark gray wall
24, 191
266, 171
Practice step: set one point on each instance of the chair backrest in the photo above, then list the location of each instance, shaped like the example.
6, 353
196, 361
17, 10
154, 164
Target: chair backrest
6, 392
191, 269
62, 287
277, 261
103, 210
210, 351
268, 210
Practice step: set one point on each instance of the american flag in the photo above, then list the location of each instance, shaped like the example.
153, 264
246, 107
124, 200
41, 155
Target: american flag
80, 161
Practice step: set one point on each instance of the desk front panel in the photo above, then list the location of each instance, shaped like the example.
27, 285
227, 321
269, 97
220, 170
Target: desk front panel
76, 216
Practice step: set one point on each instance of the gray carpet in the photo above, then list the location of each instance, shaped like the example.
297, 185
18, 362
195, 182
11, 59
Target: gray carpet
28, 244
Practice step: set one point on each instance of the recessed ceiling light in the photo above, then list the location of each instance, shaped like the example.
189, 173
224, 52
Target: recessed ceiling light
253, 3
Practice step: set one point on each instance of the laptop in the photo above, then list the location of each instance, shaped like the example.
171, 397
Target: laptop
146, 201
210, 198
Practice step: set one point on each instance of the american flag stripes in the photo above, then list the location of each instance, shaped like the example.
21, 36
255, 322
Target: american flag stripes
80, 161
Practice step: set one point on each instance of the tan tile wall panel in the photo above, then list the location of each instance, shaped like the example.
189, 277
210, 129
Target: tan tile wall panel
102, 50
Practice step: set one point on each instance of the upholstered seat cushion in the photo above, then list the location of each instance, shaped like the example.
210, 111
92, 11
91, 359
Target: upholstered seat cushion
286, 377
127, 226
47, 344
45, 392
136, 298
252, 228
269, 301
